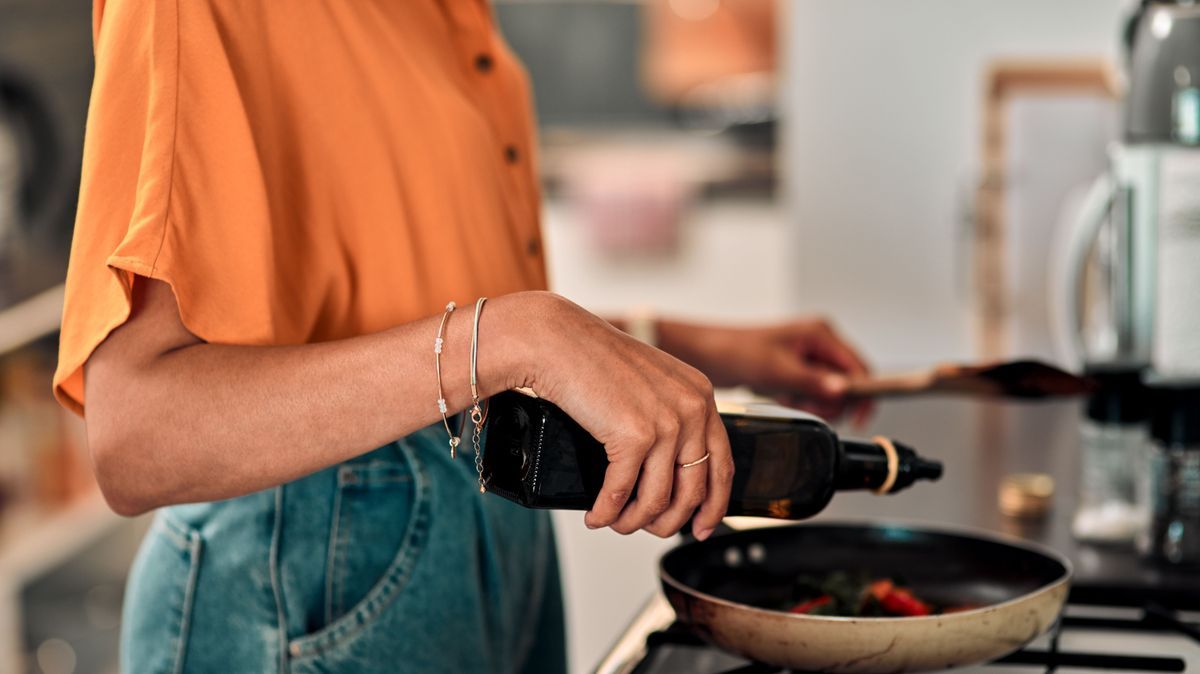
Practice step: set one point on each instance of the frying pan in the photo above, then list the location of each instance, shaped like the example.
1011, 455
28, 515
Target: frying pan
719, 587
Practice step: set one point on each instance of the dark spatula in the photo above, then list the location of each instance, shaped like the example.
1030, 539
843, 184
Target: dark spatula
1014, 379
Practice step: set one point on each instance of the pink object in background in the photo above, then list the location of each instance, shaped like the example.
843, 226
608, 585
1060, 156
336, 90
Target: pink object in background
630, 201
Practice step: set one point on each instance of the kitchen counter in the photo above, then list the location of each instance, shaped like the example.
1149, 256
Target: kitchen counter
980, 443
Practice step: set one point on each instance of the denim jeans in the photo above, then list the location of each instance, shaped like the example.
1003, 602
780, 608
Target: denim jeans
390, 562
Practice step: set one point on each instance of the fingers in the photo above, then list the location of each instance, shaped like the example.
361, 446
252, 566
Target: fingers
654, 489
719, 478
657, 410
826, 362
806, 380
667, 494
619, 479
690, 483
690, 488
835, 351
862, 411
831, 348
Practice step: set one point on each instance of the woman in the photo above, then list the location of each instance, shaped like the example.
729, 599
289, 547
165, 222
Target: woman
278, 201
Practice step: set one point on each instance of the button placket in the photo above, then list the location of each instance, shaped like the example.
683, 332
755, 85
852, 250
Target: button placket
480, 48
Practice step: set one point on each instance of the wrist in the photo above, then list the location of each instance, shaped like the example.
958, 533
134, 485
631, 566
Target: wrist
705, 348
509, 338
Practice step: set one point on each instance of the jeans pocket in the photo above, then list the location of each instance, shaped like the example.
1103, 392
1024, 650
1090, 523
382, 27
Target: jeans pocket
158, 600
377, 530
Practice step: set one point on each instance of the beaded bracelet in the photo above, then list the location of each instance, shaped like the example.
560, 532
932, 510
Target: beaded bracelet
441, 403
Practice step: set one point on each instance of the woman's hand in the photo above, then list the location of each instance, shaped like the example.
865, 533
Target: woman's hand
651, 411
803, 363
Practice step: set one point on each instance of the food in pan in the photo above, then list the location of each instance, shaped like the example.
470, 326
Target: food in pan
860, 596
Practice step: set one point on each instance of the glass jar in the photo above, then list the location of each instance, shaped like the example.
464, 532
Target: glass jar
1173, 476
1113, 433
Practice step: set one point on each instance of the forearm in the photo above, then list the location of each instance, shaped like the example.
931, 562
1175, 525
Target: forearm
207, 421
692, 343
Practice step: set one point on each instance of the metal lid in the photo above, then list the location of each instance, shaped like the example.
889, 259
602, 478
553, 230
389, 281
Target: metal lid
1026, 495
1163, 102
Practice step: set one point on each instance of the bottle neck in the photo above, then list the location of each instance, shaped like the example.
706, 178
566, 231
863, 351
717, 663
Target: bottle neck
867, 465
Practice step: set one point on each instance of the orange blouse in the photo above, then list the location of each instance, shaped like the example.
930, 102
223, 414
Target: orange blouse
299, 171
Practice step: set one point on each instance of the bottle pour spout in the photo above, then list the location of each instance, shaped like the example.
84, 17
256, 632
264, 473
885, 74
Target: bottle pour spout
927, 469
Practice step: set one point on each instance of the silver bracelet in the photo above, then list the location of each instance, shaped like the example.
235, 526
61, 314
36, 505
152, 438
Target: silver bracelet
478, 412
441, 403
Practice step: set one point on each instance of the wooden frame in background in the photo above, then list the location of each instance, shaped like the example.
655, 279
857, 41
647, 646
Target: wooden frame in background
1005, 80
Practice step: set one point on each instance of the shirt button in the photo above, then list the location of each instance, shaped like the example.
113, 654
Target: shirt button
483, 63
534, 247
511, 155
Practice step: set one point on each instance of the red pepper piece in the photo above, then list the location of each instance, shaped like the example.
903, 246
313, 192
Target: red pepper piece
880, 589
902, 602
808, 606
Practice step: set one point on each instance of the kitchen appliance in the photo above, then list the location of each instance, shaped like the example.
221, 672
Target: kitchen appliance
717, 588
1173, 475
1141, 220
788, 464
1112, 435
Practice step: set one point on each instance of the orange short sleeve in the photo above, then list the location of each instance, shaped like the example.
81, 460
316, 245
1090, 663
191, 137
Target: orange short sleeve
295, 170
140, 187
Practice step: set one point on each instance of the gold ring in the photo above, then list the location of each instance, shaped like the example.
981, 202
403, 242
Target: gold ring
697, 462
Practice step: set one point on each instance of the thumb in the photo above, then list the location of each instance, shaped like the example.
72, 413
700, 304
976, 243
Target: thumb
817, 383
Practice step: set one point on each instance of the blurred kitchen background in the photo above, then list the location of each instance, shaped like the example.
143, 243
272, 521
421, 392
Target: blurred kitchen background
907, 168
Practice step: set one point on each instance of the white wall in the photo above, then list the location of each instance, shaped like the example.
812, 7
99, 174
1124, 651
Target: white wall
883, 108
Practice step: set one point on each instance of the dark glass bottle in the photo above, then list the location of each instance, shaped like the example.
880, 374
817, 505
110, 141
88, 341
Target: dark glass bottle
788, 464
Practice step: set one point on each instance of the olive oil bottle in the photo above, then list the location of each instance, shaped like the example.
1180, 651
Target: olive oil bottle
788, 464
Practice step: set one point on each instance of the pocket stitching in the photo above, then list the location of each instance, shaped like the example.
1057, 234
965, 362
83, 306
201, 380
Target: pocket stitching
187, 540
384, 592
355, 477
189, 594
332, 555
179, 533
